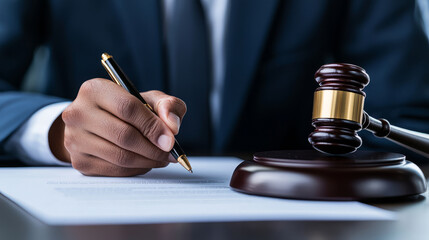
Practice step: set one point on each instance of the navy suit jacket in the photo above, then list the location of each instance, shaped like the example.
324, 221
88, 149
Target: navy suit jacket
273, 49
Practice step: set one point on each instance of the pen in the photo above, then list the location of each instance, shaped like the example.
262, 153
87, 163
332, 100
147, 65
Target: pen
119, 77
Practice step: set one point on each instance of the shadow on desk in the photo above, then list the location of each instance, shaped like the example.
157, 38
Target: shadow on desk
6, 161
16, 224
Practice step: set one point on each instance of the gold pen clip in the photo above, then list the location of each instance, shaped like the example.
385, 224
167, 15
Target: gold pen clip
104, 58
150, 107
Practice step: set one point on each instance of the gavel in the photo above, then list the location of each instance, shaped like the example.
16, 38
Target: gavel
338, 114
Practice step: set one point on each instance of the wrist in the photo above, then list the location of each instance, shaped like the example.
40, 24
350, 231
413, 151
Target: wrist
56, 140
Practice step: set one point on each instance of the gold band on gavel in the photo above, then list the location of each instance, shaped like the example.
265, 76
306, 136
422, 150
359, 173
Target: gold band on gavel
338, 104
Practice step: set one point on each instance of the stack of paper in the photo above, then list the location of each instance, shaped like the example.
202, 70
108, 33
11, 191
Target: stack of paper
60, 195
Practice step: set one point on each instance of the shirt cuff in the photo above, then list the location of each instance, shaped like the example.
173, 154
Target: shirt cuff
30, 143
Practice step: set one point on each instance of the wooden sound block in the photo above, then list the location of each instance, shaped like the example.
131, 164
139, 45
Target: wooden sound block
308, 174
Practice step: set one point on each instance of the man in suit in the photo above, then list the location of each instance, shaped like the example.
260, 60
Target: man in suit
243, 68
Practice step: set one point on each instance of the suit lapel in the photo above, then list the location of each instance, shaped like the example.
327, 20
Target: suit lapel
246, 32
141, 22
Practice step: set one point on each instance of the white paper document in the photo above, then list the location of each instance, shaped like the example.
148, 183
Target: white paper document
63, 196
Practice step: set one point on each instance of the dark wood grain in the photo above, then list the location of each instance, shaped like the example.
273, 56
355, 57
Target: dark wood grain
311, 175
338, 136
330, 174
335, 136
342, 76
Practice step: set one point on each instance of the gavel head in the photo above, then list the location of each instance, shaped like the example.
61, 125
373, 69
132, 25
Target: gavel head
338, 108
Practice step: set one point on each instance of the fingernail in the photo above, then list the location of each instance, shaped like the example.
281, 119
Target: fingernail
165, 142
173, 118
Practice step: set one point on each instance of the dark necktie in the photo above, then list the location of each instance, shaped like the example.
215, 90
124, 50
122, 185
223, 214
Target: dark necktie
189, 72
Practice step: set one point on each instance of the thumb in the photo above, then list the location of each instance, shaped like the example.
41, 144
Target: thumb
170, 109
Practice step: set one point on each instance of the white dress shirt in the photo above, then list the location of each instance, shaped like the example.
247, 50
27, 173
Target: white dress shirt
31, 144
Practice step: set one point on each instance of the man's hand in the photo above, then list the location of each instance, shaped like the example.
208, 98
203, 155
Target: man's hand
106, 131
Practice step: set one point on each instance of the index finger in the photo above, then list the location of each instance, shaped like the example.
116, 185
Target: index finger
116, 100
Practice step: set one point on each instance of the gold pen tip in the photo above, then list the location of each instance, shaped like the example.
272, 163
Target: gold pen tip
105, 56
183, 160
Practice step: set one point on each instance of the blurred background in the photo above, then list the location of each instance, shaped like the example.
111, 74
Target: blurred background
40, 60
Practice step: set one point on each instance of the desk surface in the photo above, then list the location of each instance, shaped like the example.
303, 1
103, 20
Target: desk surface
412, 223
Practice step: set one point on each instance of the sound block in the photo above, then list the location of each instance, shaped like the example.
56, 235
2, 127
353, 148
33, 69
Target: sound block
310, 175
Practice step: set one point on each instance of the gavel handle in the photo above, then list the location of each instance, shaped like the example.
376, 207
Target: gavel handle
415, 141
